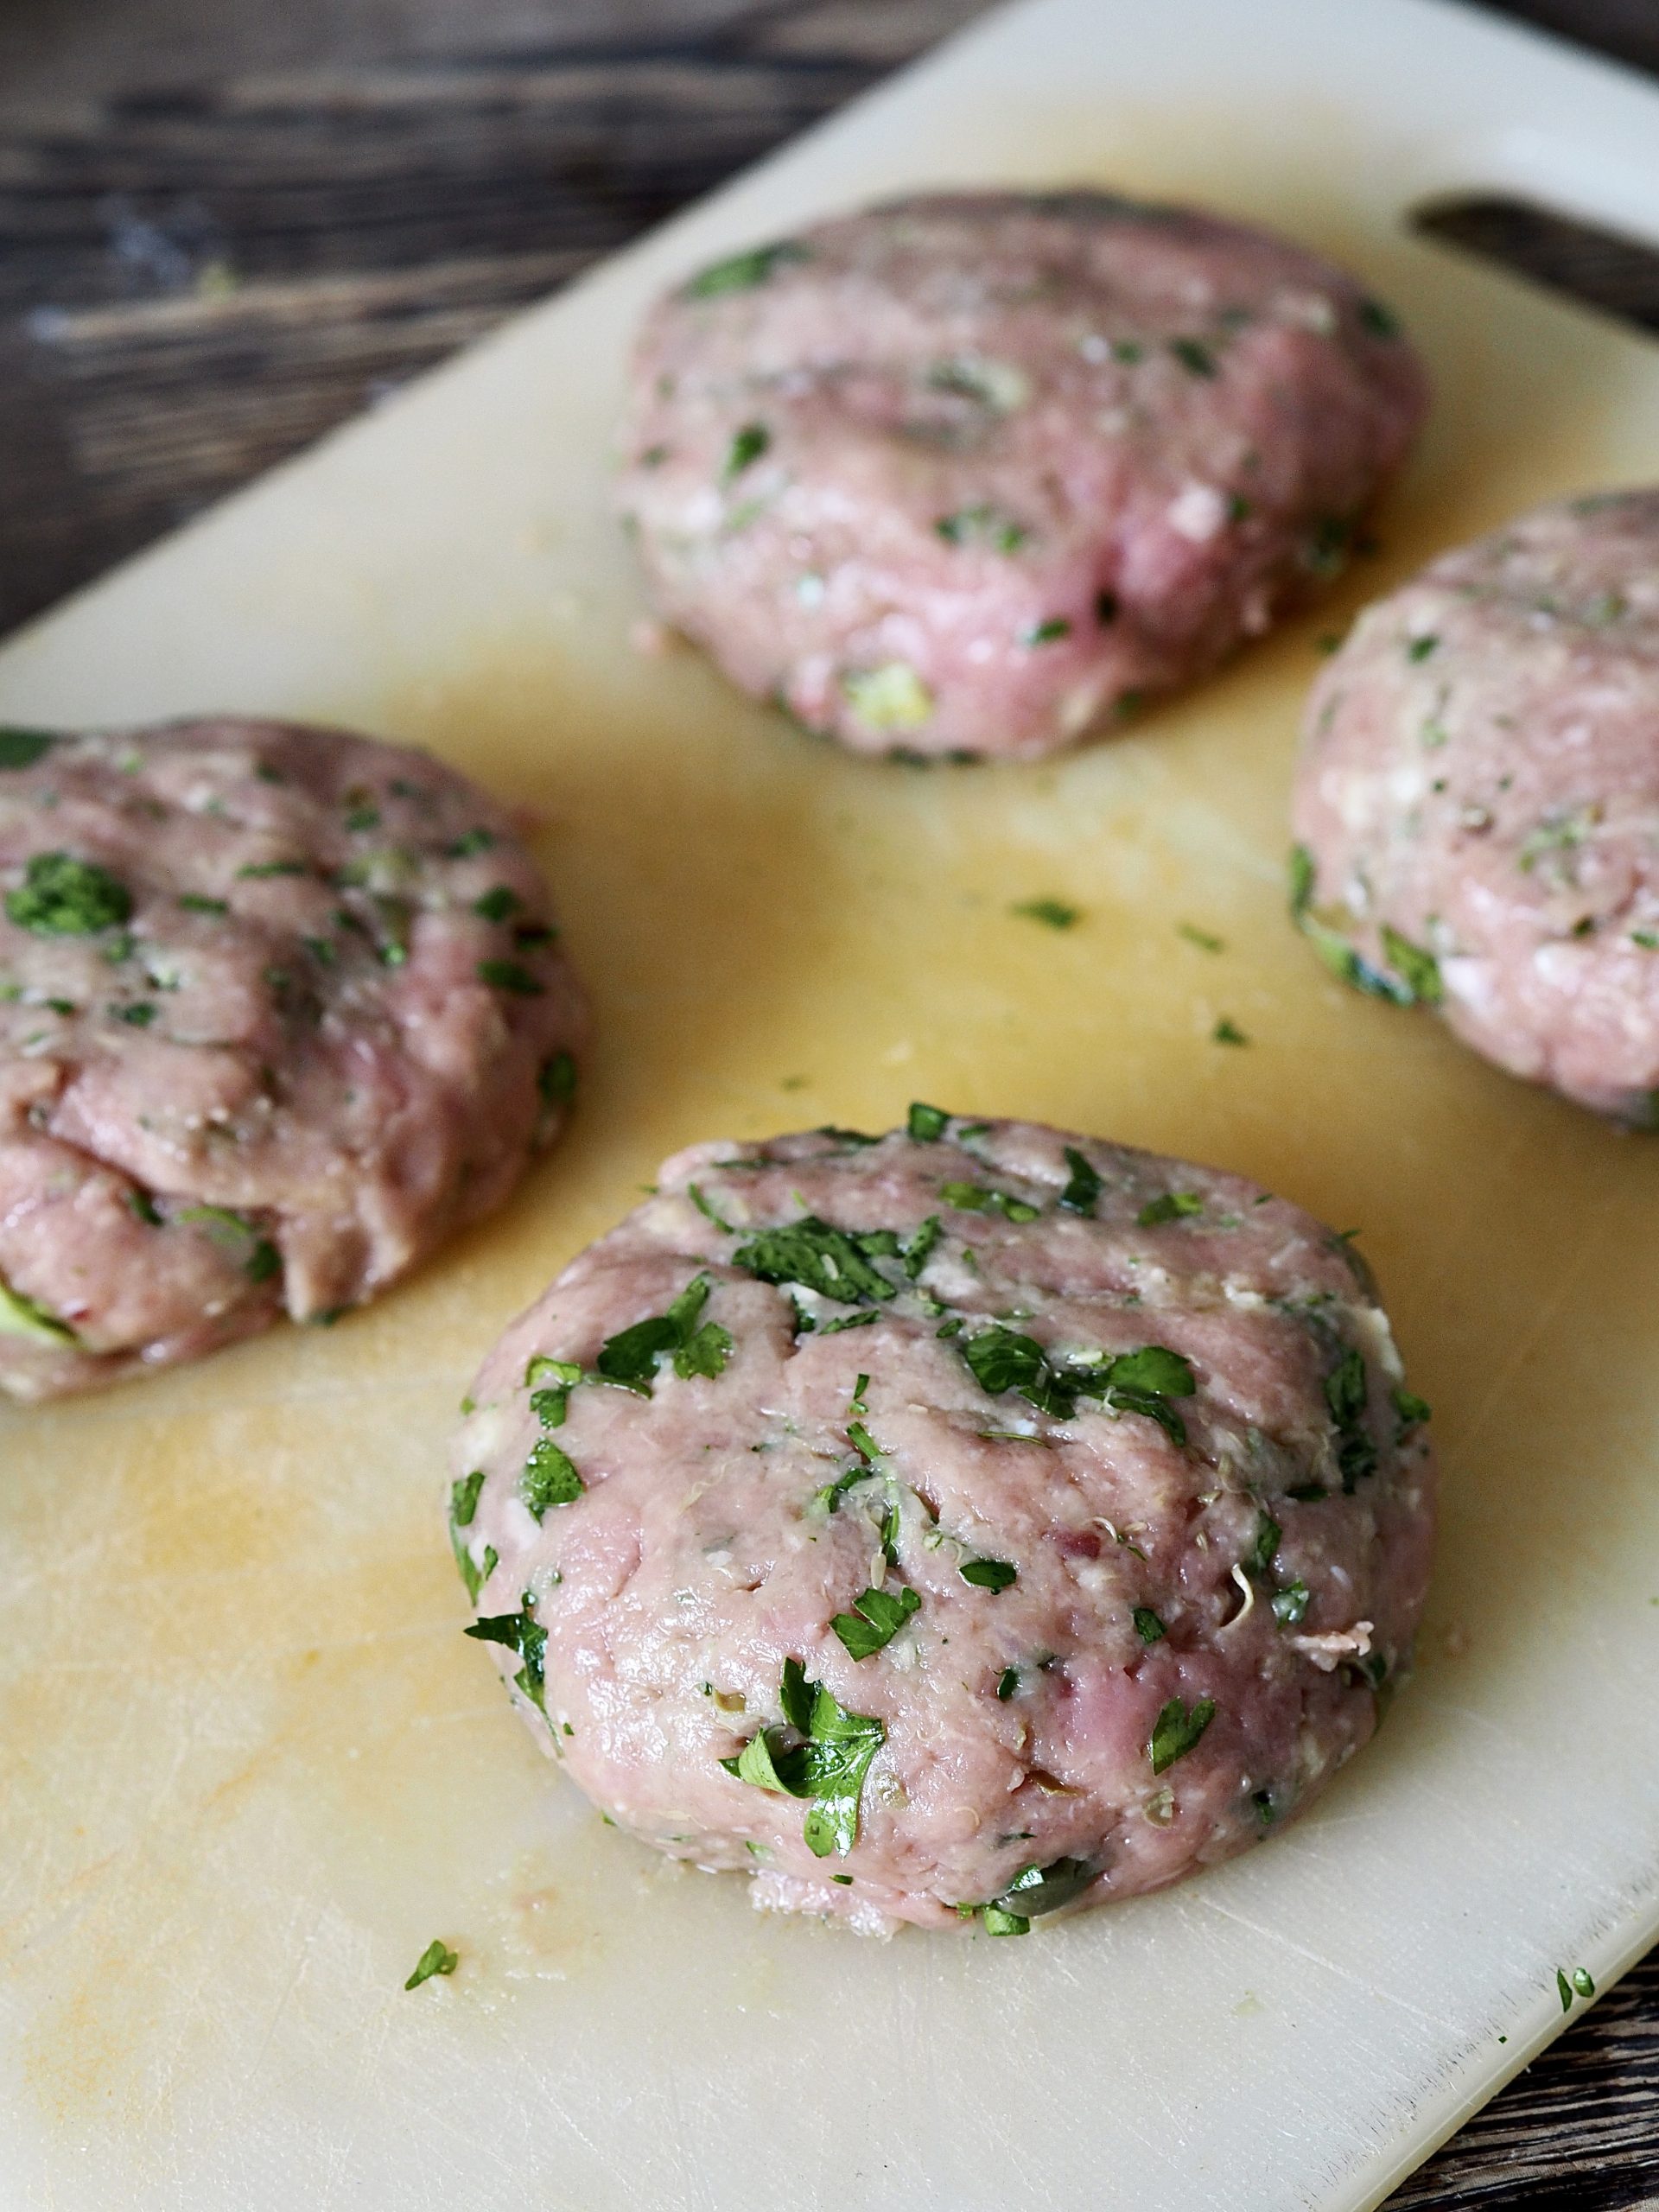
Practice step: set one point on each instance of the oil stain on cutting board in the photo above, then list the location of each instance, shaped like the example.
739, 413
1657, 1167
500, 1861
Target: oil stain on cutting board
251, 1765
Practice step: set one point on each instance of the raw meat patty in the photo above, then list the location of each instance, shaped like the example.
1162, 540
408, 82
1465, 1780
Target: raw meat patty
965, 1521
975, 473
278, 1008
1478, 800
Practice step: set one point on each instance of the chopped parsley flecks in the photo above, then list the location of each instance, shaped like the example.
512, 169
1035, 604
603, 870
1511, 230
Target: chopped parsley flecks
630, 1358
827, 1763
1177, 1729
983, 525
26, 1317
21, 748
497, 904
192, 902
436, 1958
918, 1248
891, 697
1419, 648
705, 1207
747, 445
925, 1124
1194, 356
1579, 1983
507, 976
138, 1015
549, 1478
875, 1619
992, 1574
1048, 631
470, 842
463, 1504
60, 896
1411, 1408
1007, 1683
258, 871
1417, 969
1206, 940
1141, 1381
1052, 914
1147, 1626
1227, 1032
556, 1080
1346, 1393
1171, 1205
1290, 1604
1084, 1185
1263, 1545
521, 1633
829, 1260
144, 1208
1379, 321
1332, 948
551, 1382
978, 1197
741, 272
238, 1238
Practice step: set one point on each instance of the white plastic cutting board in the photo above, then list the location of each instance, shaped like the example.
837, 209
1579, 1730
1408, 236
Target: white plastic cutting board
248, 1765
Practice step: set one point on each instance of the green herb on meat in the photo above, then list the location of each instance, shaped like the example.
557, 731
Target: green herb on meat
890, 697
746, 446
26, 1317
258, 871
1052, 914
983, 525
1420, 648
1007, 1683
1048, 631
875, 1619
706, 1210
520, 1632
1177, 1729
1411, 1408
21, 748
1038, 1889
557, 1379
463, 1504
1378, 320
1332, 947
741, 272
1139, 1381
925, 1124
139, 1015
1265, 1543
501, 975
1084, 1185
556, 1080
977, 1198
469, 842
144, 1208
827, 1763
497, 903
992, 1575
436, 1958
1193, 356
919, 1249
60, 896
1290, 1605
1172, 1205
238, 1238
1346, 1393
822, 1259
549, 1478
1147, 1626
1418, 970
193, 903
630, 1358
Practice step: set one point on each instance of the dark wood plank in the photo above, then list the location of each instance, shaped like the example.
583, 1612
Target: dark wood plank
225, 227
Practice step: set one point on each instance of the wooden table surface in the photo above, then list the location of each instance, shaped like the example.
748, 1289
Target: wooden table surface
224, 228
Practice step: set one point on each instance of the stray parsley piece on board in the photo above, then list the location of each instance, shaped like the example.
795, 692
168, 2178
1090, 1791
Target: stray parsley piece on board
24, 1317
1052, 914
60, 896
992, 1575
1177, 1729
1228, 1032
875, 1619
891, 697
1083, 1188
1206, 940
925, 1124
549, 1478
436, 1958
1346, 1393
1172, 1205
630, 1358
463, 1504
1418, 970
827, 1763
520, 1632
509, 976
1132, 1382
820, 1258
747, 447
21, 748
741, 272
1147, 1626
976, 1197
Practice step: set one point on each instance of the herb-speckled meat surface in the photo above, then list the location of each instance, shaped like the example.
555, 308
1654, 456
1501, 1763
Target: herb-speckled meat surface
278, 1008
1478, 799
977, 1517
977, 472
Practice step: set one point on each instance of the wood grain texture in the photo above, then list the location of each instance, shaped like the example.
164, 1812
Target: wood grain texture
224, 229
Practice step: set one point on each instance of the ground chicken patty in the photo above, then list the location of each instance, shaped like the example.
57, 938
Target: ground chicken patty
976, 473
965, 1521
278, 1008
1478, 800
